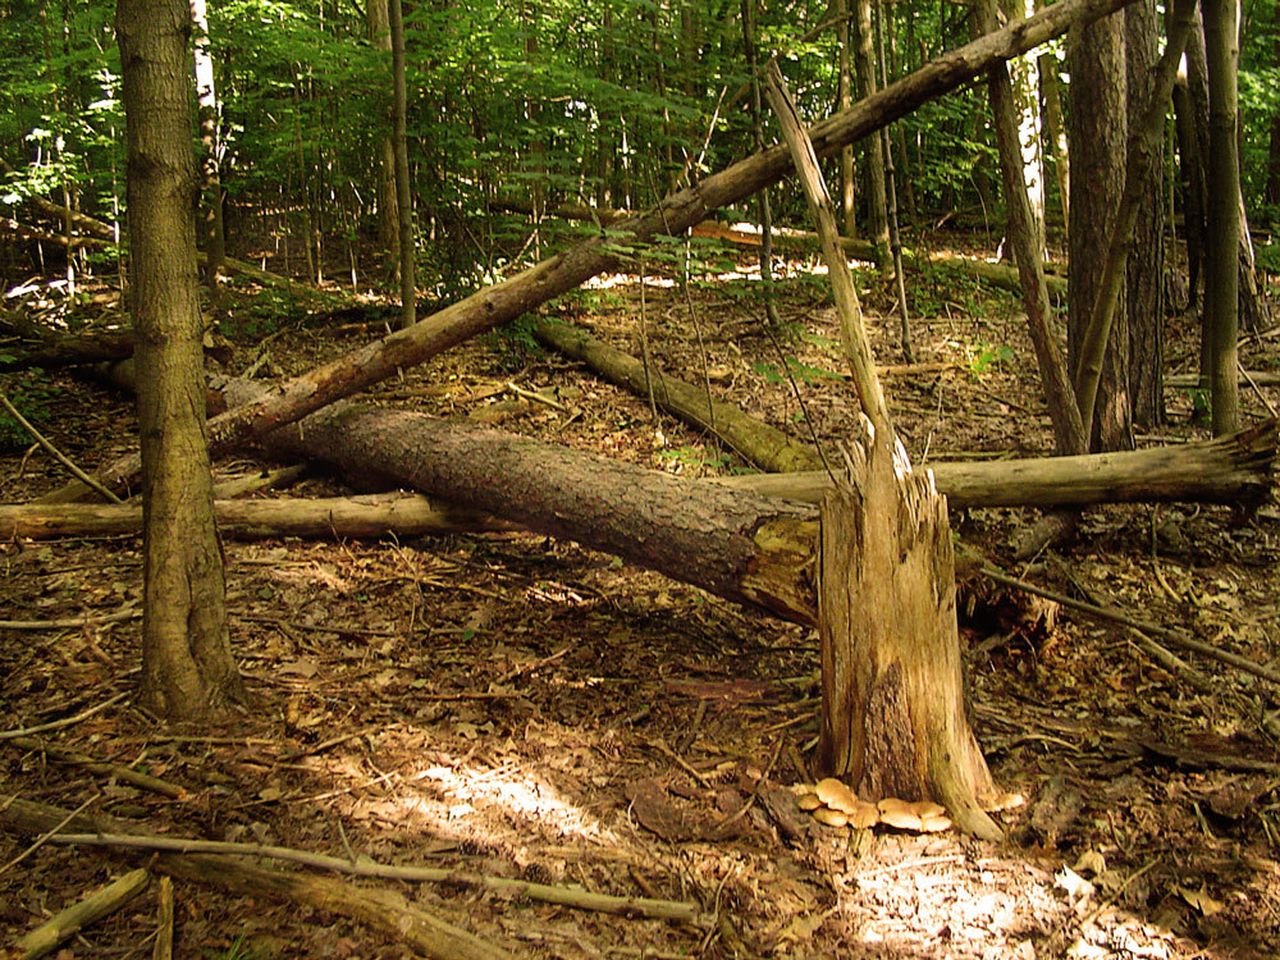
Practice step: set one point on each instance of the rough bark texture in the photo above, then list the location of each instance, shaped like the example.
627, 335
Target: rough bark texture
1095, 56
187, 667
745, 548
505, 301
1145, 273
1221, 297
215, 245
400, 149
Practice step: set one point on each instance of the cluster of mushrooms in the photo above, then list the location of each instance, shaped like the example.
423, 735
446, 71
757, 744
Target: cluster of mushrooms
831, 802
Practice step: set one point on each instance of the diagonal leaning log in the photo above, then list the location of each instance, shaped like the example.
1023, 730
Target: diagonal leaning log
505, 301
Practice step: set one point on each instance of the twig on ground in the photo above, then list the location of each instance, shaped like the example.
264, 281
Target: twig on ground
44, 838
1117, 616
117, 770
70, 623
163, 948
57, 454
64, 722
364, 867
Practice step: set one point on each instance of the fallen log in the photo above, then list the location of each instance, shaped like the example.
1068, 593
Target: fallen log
68, 351
376, 515
386, 910
502, 302
1234, 469
746, 235
1191, 381
765, 446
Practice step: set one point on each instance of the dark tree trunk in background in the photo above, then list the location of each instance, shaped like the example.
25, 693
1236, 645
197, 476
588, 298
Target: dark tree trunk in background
873, 156
187, 667
210, 152
404, 196
1095, 58
1221, 300
1144, 282
844, 100
378, 19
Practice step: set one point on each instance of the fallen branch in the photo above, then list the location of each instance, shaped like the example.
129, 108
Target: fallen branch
1177, 638
364, 867
1234, 469
66, 923
386, 910
376, 515
117, 770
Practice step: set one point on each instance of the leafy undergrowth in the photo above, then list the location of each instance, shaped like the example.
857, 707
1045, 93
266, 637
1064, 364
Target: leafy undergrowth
516, 707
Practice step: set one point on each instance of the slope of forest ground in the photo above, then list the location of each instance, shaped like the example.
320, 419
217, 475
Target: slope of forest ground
513, 706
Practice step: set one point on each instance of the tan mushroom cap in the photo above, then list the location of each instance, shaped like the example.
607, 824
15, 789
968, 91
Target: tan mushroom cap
836, 795
864, 815
832, 818
935, 824
898, 814
808, 801
927, 808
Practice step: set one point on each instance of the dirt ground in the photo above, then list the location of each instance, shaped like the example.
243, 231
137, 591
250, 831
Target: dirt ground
514, 707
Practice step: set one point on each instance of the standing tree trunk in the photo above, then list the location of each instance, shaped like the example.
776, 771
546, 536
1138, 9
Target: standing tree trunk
1056, 131
378, 16
873, 157
404, 201
1144, 281
844, 100
1024, 82
1222, 275
1098, 127
187, 667
215, 243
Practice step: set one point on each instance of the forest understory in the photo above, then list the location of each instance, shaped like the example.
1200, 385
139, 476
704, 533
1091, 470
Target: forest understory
510, 706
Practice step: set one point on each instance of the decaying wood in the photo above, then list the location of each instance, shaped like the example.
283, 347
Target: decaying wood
505, 301
375, 515
386, 910
67, 923
163, 949
69, 350
1234, 470
765, 446
893, 717
363, 867
116, 771
738, 545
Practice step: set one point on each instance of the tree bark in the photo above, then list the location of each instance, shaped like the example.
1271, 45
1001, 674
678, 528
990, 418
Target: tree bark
1027, 244
400, 144
378, 17
1234, 470
509, 299
210, 152
1145, 270
873, 155
1098, 127
187, 667
1221, 299
844, 100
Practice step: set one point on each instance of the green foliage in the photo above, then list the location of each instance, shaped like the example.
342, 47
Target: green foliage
695, 456
240, 949
30, 394
800, 371
514, 343
988, 355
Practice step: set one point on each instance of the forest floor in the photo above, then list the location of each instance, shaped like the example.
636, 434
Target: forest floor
516, 707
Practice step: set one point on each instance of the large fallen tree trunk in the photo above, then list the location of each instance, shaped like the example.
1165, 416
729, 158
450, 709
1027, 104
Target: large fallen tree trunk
375, 515
505, 301
1234, 469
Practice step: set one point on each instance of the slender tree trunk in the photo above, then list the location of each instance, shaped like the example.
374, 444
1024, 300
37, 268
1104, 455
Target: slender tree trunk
1056, 131
1026, 244
873, 156
891, 195
1222, 275
1098, 131
1145, 274
844, 99
404, 198
210, 152
1024, 82
757, 136
1191, 175
187, 667
378, 16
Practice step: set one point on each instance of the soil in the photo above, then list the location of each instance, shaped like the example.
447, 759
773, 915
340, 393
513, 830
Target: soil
504, 705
